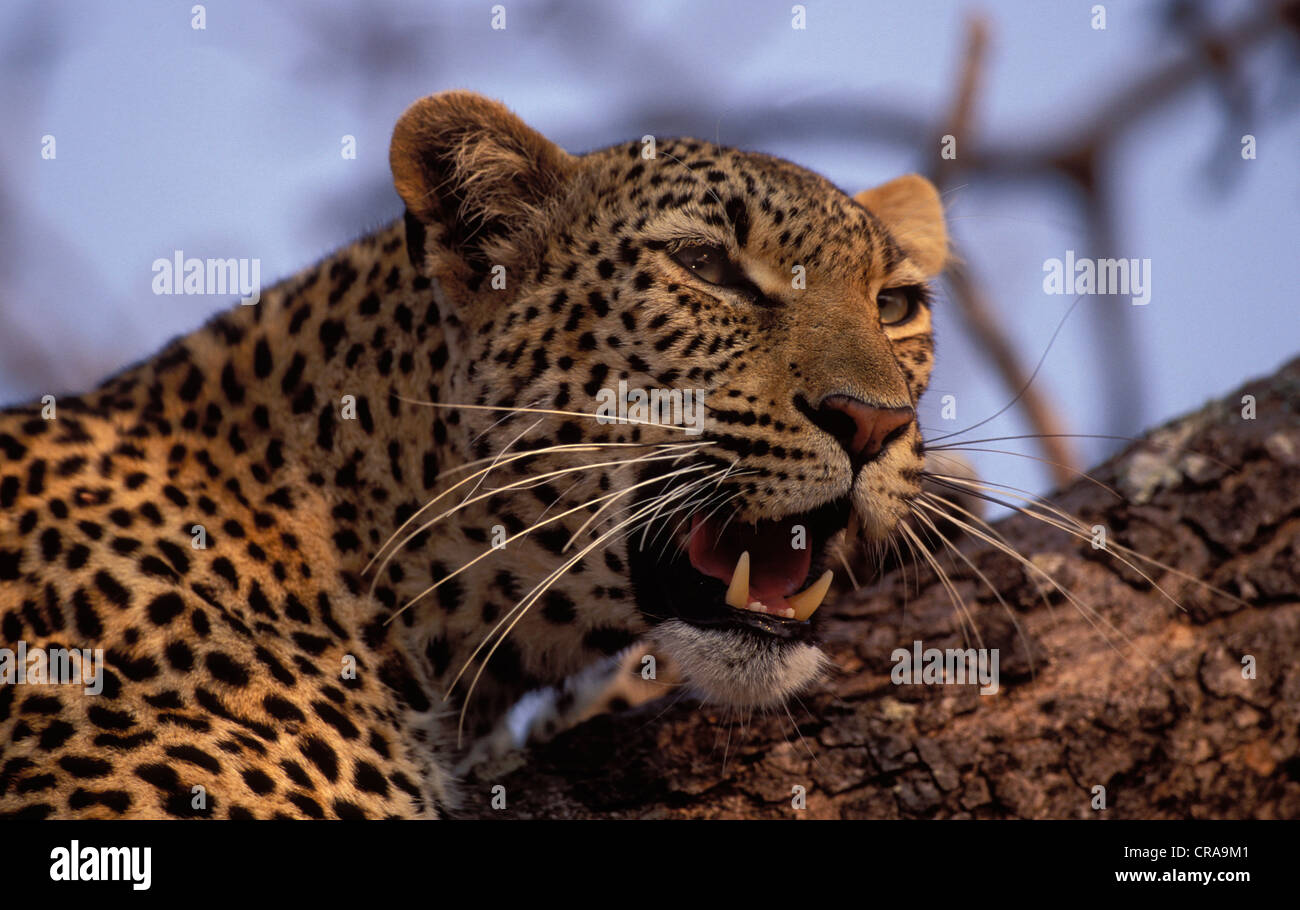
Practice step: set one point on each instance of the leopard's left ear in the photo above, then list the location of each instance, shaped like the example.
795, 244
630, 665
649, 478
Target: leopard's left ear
910, 209
474, 177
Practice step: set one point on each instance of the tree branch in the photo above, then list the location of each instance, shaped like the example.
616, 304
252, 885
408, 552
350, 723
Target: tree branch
1131, 693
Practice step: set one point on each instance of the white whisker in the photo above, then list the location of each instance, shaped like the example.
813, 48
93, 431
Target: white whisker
517, 612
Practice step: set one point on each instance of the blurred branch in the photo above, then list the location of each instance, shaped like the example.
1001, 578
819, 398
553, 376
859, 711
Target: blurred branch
1075, 155
1081, 159
979, 316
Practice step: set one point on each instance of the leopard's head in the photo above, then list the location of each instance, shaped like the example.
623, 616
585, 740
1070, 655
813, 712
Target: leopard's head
680, 274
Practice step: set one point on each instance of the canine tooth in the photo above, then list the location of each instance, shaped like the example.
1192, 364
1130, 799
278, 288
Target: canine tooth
738, 590
806, 602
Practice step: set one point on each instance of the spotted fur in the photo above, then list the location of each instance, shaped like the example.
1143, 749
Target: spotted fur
225, 666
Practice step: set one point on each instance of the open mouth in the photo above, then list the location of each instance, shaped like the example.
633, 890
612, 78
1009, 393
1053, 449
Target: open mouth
768, 577
761, 566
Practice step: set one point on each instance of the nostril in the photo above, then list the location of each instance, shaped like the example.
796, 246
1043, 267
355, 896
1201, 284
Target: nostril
837, 423
863, 430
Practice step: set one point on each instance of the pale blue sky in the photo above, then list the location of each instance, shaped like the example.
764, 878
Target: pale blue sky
225, 142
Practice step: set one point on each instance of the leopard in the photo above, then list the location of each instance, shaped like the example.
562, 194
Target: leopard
332, 535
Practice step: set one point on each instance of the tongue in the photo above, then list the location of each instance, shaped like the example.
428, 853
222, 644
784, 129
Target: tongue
777, 569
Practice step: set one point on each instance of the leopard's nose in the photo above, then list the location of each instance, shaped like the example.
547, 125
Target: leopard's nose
863, 430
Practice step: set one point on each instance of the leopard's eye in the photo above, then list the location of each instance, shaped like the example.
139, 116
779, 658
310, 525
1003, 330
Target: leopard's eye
896, 305
710, 263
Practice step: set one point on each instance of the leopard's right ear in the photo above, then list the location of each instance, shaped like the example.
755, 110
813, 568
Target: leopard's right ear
473, 176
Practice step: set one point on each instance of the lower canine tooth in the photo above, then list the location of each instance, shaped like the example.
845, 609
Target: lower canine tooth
738, 590
806, 602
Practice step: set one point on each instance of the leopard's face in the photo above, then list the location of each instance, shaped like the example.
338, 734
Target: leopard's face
786, 325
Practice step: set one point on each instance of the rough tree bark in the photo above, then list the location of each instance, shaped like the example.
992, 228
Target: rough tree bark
1156, 710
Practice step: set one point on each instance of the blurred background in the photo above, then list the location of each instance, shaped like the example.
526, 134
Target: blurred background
1126, 140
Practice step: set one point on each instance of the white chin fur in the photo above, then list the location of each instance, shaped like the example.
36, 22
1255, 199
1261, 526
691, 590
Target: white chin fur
738, 670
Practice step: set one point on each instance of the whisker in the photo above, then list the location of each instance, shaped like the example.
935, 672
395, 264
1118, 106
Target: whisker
653, 518
493, 425
574, 447
946, 503
517, 535
803, 741
524, 483
727, 747
703, 503
717, 499
556, 573
692, 505
710, 515
953, 596
576, 534
902, 562
429, 504
517, 612
1145, 441
549, 411
1070, 524
1086, 610
568, 447
1028, 382
1056, 464
982, 577
853, 579
682, 692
